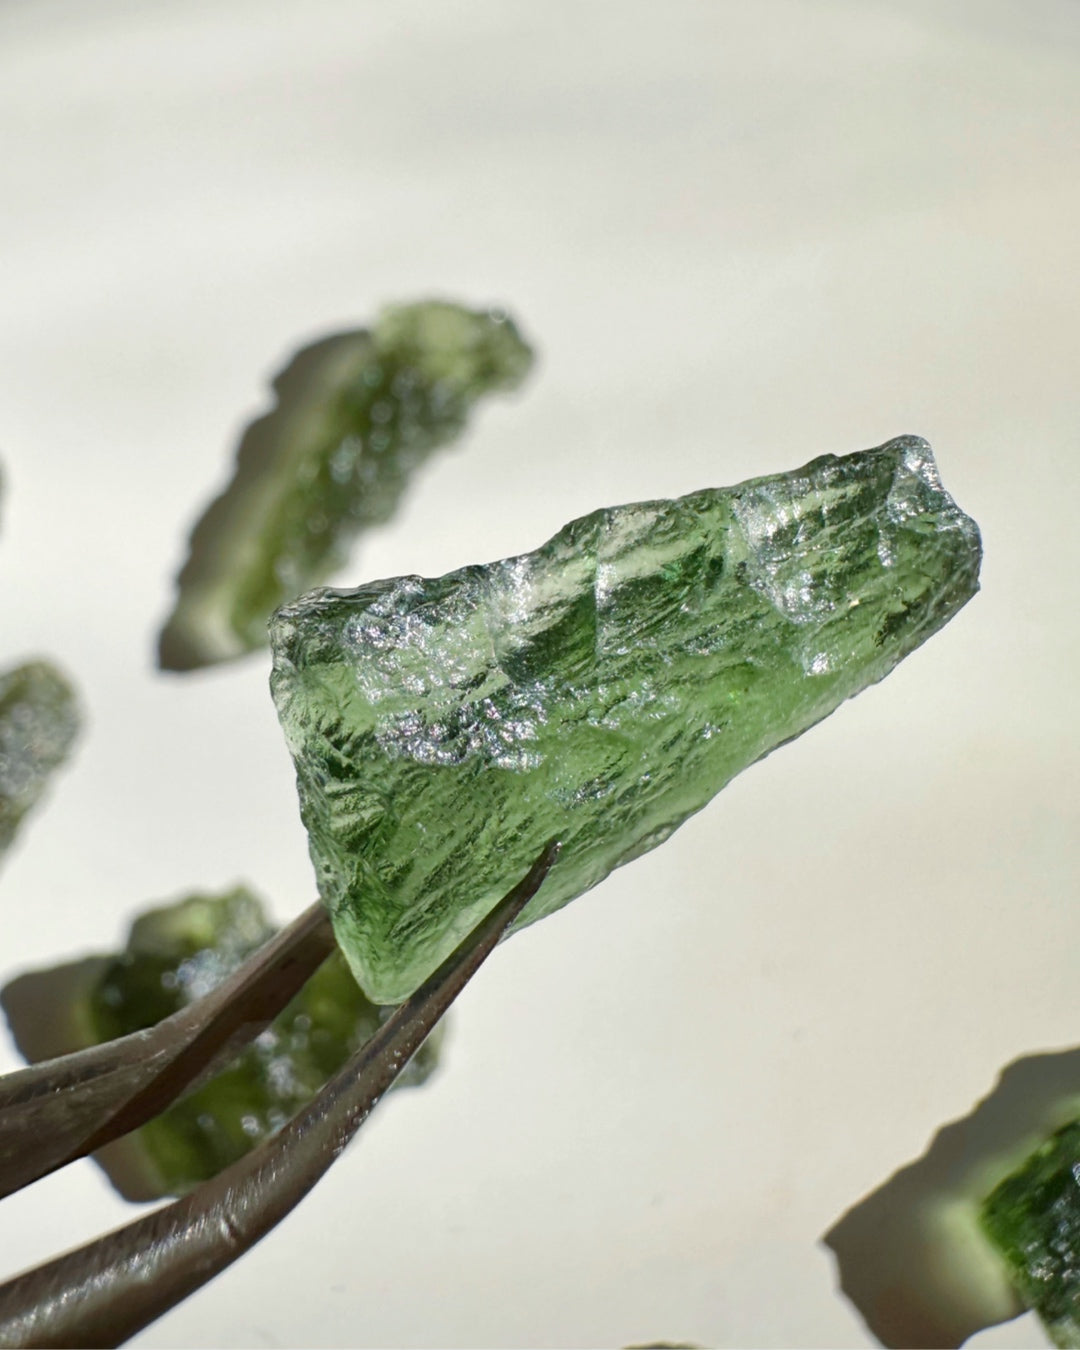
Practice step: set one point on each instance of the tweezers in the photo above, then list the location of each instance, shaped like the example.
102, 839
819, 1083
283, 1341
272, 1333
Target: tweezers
101, 1294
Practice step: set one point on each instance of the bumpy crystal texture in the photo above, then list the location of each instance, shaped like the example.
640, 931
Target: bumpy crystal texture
39, 720
175, 954
598, 691
1033, 1218
356, 415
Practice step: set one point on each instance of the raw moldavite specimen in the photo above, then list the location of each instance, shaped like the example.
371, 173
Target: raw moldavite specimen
38, 722
919, 1256
598, 691
356, 415
1033, 1218
175, 954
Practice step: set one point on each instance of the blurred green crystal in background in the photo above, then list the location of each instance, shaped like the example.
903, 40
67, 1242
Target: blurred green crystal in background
599, 690
1033, 1218
174, 955
356, 415
39, 720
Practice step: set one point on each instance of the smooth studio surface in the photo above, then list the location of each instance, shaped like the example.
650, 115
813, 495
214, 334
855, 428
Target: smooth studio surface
740, 234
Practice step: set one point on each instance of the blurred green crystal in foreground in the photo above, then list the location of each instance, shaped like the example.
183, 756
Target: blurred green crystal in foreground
39, 720
356, 415
1033, 1218
174, 955
598, 691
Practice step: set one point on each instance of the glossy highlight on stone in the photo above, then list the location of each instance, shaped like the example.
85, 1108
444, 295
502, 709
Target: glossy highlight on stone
598, 690
39, 720
356, 415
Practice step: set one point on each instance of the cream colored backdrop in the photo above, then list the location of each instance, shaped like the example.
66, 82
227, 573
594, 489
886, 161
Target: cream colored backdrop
742, 233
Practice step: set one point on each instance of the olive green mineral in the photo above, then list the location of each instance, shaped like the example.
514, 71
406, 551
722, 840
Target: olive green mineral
174, 955
1033, 1218
598, 691
356, 416
39, 720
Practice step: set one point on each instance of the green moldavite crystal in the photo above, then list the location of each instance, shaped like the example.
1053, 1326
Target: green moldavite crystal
598, 691
174, 955
927, 1260
39, 720
1033, 1218
356, 415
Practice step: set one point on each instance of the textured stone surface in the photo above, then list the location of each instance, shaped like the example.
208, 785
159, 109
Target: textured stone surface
598, 690
39, 720
175, 954
1033, 1218
356, 415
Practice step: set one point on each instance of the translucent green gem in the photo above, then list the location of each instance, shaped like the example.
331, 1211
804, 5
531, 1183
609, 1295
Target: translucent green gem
1033, 1218
599, 690
39, 720
174, 955
357, 414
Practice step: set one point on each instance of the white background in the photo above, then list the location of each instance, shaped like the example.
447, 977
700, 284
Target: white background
741, 234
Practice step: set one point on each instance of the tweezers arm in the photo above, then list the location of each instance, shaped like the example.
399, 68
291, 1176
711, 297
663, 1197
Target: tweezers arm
53, 1113
105, 1292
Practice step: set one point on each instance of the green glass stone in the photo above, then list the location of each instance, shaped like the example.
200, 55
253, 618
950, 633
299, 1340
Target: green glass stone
1033, 1218
356, 416
598, 691
39, 720
174, 955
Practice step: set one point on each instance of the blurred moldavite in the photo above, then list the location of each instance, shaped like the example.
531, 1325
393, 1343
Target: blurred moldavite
599, 690
946, 1246
39, 720
356, 415
1033, 1218
173, 956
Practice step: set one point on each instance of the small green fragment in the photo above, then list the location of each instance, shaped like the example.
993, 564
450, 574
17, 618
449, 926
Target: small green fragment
174, 955
914, 1256
1033, 1218
598, 691
356, 415
39, 720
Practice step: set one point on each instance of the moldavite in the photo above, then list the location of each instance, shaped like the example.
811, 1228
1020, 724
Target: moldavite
1033, 1218
598, 691
962, 1237
39, 719
175, 954
356, 415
